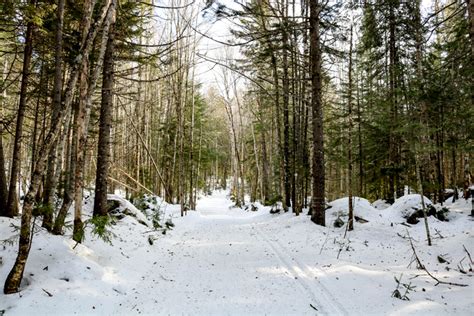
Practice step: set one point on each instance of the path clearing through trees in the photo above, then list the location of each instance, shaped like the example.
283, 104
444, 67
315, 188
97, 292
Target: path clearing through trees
226, 261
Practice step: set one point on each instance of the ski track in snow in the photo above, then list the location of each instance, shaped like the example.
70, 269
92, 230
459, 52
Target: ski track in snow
222, 228
326, 302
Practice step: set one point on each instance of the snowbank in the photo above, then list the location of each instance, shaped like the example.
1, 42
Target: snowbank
127, 208
406, 204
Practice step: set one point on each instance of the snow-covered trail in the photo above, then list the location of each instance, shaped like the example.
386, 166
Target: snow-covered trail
224, 261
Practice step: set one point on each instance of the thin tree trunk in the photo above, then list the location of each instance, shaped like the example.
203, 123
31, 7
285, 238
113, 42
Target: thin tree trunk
3, 180
350, 223
69, 190
3, 169
65, 155
265, 164
423, 116
423, 207
52, 176
470, 12
12, 204
286, 120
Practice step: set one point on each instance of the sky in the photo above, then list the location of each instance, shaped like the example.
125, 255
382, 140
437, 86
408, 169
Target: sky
215, 31
208, 73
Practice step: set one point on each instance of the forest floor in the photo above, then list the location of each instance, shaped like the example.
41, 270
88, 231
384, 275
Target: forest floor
220, 260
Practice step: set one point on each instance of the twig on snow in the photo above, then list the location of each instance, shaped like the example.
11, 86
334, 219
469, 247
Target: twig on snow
460, 266
49, 294
325, 241
439, 234
468, 254
422, 267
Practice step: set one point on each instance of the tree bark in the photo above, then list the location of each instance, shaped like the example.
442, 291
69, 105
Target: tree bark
105, 124
3, 169
3, 180
52, 176
286, 121
69, 191
318, 180
350, 222
12, 204
83, 125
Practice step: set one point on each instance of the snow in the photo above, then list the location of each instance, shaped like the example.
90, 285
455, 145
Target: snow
221, 260
407, 203
126, 206
362, 207
380, 204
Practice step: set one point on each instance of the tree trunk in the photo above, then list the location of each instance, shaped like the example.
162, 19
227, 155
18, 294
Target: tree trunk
286, 122
394, 141
470, 13
83, 126
423, 117
3, 169
61, 143
3, 180
105, 123
69, 191
52, 177
360, 145
12, 204
317, 198
350, 223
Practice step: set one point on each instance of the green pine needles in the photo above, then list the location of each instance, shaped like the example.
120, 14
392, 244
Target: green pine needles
101, 227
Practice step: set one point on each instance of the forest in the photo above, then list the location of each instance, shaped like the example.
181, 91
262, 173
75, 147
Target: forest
133, 133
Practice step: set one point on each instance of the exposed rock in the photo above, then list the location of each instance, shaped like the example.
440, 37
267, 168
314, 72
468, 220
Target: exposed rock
360, 220
276, 208
430, 211
338, 223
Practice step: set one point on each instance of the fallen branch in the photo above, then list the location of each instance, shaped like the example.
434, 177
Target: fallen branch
460, 266
422, 267
468, 254
134, 180
325, 241
401, 236
438, 233
49, 294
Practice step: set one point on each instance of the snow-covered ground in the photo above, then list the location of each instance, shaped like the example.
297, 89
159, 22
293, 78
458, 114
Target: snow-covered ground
224, 261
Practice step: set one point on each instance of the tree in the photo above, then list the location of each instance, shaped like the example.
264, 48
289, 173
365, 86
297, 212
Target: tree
52, 176
13, 280
103, 149
350, 223
317, 198
12, 204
